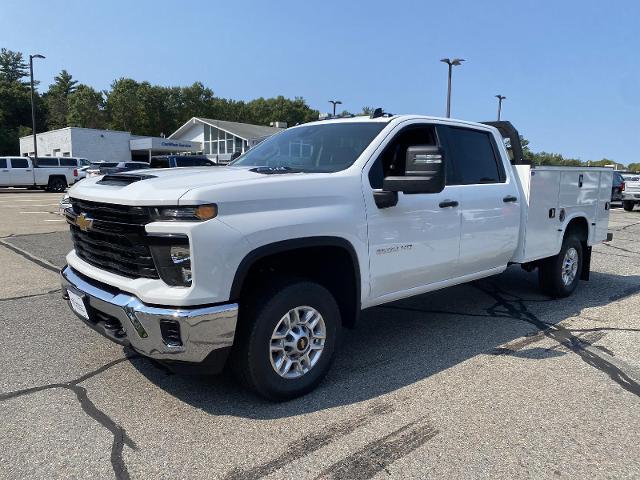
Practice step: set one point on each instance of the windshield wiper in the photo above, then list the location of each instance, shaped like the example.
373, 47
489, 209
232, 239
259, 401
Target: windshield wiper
275, 170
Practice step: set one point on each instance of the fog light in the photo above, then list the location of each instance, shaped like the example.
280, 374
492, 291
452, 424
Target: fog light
181, 258
172, 257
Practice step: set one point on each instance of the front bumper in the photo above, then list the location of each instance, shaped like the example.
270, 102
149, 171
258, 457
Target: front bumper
181, 334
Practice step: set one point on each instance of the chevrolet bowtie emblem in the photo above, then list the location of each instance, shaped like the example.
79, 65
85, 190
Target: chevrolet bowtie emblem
84, 223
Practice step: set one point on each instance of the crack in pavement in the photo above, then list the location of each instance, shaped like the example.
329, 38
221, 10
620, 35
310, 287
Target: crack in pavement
120, 437
516, 309
31, 258
635, 254
20, 297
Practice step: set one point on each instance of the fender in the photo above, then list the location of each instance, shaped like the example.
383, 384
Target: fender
294, 244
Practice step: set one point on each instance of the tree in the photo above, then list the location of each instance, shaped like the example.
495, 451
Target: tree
57, 100
15, 112
86, 108
13, 68
124, 106
634, 167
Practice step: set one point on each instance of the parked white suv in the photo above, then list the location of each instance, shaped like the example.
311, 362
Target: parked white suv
262, 263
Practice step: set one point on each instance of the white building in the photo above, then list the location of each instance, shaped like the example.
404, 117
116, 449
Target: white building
222, 138
216, 138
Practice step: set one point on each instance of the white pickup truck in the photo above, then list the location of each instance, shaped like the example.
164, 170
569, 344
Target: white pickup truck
54, 174
260, 264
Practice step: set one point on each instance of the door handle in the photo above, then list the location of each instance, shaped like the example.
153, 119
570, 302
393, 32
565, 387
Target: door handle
448, 203
28, 170
510, 198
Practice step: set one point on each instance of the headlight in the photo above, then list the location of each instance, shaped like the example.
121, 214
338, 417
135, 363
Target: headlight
172, 257
194, 214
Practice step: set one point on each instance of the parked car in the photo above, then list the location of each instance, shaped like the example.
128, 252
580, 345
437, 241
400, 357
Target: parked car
123, 167
263, 262
617, 187
51, 173
631, 192
173, 161
65, 202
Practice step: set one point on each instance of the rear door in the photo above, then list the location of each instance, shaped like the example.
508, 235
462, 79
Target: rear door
489, 201
21, 172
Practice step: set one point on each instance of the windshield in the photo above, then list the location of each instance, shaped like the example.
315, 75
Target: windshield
315, 148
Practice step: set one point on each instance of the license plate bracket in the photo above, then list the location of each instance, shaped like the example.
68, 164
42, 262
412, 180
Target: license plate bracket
77, 302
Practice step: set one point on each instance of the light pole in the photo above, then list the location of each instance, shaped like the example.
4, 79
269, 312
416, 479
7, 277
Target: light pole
33, 108
451, 63
335, 102
500, 98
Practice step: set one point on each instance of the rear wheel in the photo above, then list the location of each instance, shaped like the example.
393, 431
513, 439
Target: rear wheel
57, 184
559, 275
286, 339
628, 205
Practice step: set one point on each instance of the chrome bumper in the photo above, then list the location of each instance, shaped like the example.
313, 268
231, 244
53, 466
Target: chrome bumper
124, 319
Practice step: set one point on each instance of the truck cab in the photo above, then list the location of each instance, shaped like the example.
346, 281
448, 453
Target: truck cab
259, 265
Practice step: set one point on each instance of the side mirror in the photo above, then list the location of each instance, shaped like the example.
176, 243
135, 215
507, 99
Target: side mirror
424, 172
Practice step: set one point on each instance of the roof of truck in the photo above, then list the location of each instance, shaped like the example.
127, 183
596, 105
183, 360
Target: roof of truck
389, 118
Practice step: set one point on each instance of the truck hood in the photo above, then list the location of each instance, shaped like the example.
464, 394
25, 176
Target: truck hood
164, 186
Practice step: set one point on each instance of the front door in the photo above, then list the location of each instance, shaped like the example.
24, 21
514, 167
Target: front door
21, 172
416, 242
489, 201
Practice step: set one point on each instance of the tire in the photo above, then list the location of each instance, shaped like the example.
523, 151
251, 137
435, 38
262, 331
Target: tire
57, 184
550, 272
257, 355
628, 205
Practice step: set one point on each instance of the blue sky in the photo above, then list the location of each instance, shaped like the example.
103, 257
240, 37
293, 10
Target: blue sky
570, 69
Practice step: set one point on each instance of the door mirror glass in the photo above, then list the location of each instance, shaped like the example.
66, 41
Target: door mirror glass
424, 172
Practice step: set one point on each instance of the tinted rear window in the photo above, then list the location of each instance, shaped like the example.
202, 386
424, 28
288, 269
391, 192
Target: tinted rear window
3, 163
475, 156
159, 163
19, 163
68, 162
47, 162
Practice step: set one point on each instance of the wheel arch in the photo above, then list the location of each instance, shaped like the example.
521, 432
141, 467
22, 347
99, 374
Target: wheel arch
326, 252
579, 226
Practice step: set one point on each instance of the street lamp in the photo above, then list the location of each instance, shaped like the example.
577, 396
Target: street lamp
451, 63
335, 102
500, 98
33, 108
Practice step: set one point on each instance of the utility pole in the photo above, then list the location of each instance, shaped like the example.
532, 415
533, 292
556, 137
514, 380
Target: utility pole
500, 99
335, 102
451, 63
33, 107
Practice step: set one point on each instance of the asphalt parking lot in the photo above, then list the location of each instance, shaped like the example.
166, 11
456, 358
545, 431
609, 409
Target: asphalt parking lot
485, 380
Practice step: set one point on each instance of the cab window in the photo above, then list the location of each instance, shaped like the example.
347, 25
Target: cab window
391, 161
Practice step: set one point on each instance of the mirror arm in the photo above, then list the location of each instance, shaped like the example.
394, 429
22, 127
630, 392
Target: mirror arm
385, 199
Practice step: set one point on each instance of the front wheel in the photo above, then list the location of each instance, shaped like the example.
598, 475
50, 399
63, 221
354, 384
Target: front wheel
286, 339
559, 275
628, 205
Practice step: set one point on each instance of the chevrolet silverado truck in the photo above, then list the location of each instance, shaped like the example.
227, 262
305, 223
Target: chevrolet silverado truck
53, 174
259, 265
630, 192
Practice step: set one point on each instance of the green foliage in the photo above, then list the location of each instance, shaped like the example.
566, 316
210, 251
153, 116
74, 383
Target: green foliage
13, 68
86, 108
57, 100
546, 158
634, 167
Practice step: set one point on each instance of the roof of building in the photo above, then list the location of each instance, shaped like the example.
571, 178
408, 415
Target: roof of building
245, 131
